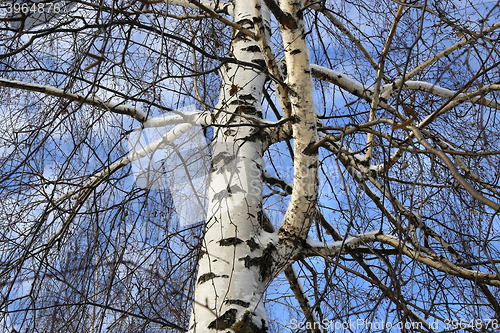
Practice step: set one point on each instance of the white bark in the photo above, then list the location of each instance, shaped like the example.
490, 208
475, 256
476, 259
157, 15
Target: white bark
297, 220
447, 93
234, 267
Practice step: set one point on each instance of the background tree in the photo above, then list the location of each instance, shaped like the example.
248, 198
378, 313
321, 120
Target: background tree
353, 152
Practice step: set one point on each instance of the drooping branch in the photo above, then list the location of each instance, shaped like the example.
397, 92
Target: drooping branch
129, 110
447, 93
454, 172
94, 181
346, 32
318, 216
435, 261
429, 62
357, 169
378, 80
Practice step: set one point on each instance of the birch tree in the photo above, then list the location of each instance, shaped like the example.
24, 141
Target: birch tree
351, 152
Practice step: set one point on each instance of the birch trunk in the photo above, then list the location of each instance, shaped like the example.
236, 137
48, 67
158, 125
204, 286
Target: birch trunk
232, 273
239, 257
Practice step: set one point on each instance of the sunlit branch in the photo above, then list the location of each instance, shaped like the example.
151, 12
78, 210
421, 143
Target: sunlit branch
438, 262
459, 100
447, 93
287, 187
365, 92
349, 84
199, 118
297, 219
132, 111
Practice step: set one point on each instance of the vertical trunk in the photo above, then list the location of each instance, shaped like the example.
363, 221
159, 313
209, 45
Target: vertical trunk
298, 218
232, 273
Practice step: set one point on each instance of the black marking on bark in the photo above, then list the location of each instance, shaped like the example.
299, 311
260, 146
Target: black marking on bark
264, 262
294, 119
311, 150
300, 15
246, 324
257, 19
246, 23
265, 222
257, 135
225, 321
285, 19
247, 97
207, 277
246, 106
231, 241
223, 156
240, 36
313, 165
256, 113
225, 10
252, 244
200, 255
252, 48
296, 51
230, 132
237, 302
260, 62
